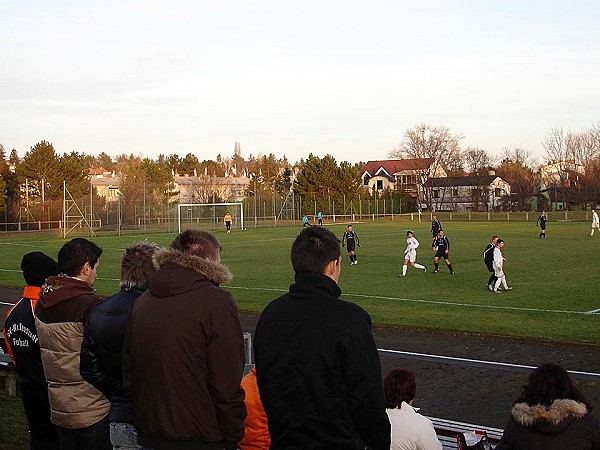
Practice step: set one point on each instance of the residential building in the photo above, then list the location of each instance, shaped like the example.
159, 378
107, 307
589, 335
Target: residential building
468, 193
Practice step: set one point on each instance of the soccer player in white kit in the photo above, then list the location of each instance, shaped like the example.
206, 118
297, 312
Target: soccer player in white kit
499, 267
595, 222
410, 254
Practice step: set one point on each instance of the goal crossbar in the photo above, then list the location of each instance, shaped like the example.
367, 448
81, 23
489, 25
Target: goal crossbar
196, 205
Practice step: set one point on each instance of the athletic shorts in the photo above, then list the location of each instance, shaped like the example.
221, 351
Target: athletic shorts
498, 273
350, 247
411, 256
490, 267
442, 254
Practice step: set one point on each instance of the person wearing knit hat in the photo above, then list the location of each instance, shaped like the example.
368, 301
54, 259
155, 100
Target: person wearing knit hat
23, 346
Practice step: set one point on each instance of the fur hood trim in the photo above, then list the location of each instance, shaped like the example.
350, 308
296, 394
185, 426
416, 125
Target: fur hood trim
560, 410
218, 273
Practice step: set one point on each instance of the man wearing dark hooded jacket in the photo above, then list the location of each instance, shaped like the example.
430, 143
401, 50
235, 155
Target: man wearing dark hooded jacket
317, 365
183, 356
104, 333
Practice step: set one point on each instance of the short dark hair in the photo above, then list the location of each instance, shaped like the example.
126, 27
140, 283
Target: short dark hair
36, 267
137, 265
399, 386
197, 242
313, 249
499, 241
75, 253
550, 382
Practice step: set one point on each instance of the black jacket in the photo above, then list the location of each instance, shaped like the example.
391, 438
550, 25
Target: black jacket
102, 351
564, 425
318, 370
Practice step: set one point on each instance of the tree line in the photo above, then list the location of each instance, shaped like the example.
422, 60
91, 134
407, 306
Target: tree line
35, 181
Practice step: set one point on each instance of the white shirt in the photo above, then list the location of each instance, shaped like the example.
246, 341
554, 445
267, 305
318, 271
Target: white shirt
411, 430
595, 218
498, 259
411, 244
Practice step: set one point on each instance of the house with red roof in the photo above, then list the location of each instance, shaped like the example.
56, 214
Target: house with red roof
407, 175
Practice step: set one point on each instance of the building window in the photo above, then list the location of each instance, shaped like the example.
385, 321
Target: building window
366, 181
498, 192
454, 192
436, 193
379, 185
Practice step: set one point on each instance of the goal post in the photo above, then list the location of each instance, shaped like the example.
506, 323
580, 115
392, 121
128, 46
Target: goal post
209, 215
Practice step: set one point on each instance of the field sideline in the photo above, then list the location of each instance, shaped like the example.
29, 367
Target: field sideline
554, 280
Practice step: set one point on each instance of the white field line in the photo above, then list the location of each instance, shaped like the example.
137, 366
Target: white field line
407, 300
433, 302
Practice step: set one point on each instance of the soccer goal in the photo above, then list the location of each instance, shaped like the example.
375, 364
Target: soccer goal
209, 215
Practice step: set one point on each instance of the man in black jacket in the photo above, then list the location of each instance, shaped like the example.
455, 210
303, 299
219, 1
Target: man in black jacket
104, 333
488, 259
23, 346
318, 369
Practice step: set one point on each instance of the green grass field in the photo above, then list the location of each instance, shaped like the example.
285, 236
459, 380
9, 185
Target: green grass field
554, 280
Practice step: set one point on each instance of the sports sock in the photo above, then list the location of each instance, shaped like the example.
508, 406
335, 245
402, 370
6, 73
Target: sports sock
504, 282
492, 279
450, 267
437, 266
497, 285
419, 266
404, 267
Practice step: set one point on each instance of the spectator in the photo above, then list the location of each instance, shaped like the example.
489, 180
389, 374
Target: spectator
23, 347
256, 430
318, 369
79, 410
102, 347
551, 414
410, 430
183, 356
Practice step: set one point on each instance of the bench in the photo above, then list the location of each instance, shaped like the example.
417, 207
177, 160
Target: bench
9, 373
448, 430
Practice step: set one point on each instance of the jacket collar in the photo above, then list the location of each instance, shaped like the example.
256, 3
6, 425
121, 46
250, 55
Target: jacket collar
217, 273
314, 283
558, 411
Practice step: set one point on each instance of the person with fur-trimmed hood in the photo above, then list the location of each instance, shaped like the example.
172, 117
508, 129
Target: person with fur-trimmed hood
183, 355
551, 414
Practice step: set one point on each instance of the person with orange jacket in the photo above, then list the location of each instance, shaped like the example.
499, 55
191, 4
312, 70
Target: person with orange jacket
256, 429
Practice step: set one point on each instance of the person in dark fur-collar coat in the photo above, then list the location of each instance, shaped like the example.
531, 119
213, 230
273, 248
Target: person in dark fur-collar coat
183, 356
551, 414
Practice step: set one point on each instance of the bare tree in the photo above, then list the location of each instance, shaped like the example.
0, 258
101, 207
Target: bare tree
516, 169
435, 142
478, 162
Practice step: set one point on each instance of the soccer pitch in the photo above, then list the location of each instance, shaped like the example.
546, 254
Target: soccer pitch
554, 280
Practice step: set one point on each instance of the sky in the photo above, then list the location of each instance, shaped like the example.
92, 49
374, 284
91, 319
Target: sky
344, 78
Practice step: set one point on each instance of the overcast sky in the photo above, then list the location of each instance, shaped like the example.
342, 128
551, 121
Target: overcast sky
344, 78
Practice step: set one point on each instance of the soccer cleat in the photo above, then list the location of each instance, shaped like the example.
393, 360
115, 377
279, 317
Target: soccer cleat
436, 270
490, 287
424, 269
356, 262
497, 291
400, 275
452, 272
508, 289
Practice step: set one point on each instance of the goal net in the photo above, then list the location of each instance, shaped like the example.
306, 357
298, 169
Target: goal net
209, 215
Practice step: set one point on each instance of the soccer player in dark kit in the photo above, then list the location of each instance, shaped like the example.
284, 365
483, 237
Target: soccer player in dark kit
488, 259
351, 239
436, 226
441, 247
542, 222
